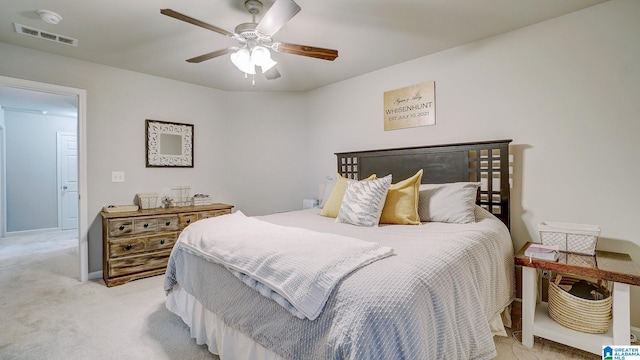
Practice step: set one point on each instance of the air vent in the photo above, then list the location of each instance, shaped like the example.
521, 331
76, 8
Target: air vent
25, 30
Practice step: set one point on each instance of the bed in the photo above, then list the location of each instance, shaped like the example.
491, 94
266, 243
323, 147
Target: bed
438, 289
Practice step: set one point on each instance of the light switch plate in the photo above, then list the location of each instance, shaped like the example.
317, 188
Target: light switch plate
117, 176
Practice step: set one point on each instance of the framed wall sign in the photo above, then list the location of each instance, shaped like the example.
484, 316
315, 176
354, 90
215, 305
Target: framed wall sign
411, 106
169, 144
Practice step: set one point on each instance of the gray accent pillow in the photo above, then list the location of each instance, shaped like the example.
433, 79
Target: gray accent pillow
363, 202
448, 203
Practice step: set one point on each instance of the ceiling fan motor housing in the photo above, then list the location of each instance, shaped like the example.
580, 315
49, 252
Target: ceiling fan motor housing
247, 31
253, 6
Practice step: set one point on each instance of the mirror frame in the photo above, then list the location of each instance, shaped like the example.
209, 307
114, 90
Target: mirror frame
154, 130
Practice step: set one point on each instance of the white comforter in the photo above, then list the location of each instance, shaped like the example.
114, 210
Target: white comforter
432, 300
296, 267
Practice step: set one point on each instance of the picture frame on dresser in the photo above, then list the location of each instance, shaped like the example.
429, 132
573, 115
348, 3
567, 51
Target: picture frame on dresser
168, 144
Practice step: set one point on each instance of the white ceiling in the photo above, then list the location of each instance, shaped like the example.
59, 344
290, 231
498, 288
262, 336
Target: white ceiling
369, 34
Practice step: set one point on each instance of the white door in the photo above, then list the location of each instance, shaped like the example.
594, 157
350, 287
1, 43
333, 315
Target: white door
68, 181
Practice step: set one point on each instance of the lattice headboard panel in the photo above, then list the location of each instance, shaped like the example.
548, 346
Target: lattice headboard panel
484, 162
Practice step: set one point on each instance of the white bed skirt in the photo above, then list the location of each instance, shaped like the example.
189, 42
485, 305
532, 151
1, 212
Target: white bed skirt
230, 344
206, 328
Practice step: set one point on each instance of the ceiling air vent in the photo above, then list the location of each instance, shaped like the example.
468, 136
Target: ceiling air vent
25, 30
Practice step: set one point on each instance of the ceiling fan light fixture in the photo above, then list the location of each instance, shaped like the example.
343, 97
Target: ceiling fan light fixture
268, 64
242, 60
254, 39
260, 55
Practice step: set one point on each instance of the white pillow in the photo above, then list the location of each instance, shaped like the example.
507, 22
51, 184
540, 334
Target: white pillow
448, 203
328, 188
363, 202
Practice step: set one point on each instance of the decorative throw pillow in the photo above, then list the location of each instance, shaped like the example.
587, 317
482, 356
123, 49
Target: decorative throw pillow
363, 202
332, 205
401, 206
449, 203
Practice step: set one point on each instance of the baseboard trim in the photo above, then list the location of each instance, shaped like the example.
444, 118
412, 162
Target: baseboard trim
95, 275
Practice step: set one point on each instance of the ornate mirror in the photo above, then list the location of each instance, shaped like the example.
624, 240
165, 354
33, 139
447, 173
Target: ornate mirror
169, 144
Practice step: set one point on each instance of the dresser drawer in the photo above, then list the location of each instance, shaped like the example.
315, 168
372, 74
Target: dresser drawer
139, 263
186, 219
168, 223
212, 213
161, 242
143, 225
127, 246
120, 227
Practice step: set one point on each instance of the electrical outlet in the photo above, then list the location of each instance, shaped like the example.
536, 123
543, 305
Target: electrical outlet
117, 176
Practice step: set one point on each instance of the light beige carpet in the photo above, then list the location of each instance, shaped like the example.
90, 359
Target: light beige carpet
47, 314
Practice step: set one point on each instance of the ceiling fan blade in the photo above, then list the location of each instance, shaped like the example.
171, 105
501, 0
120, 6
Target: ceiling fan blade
280, 12
303, 50
272, 73
211, 55
190, 20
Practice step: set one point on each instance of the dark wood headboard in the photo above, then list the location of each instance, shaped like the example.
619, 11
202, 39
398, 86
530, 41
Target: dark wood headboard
486, 162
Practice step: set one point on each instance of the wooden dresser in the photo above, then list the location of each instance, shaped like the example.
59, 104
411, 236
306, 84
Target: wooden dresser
138, 244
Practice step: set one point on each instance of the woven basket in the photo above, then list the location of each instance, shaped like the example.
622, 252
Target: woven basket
588, 316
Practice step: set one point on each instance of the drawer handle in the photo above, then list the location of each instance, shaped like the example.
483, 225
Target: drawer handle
188, 221
162, 242
146, 226
167, 223
128, 247
121, 227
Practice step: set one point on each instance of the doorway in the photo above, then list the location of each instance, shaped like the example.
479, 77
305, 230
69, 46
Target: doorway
78, 200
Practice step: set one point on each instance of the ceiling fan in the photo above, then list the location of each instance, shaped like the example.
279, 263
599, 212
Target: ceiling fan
255, 39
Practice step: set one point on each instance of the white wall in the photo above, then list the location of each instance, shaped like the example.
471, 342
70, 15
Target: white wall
565, 90
119, 101
266, 162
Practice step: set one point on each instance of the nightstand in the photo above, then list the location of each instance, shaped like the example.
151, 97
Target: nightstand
605, 265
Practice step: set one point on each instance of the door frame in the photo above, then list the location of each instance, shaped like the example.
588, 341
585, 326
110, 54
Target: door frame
83, 224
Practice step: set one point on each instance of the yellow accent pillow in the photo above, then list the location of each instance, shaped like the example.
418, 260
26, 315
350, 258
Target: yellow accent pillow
401, 206
332, 206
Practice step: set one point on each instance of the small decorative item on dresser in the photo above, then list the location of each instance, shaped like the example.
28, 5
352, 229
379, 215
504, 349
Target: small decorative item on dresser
147, 200
573, 238
201, 199
181, 195
119, 208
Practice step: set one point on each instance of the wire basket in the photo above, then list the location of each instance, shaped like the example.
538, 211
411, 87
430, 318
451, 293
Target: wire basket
584, 315
147, 200
574, 238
